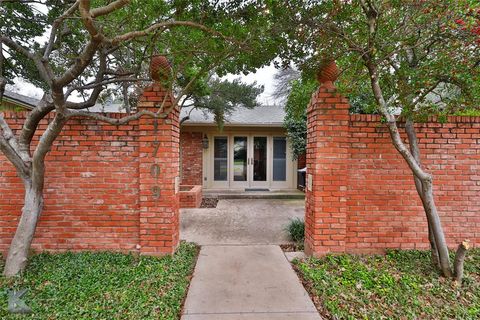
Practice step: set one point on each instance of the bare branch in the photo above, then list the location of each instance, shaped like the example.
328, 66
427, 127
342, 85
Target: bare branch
120, 121
165, 25
3, 81
113, 6
55, 26
43, 147
14, 158
15, 46
30, 125
94, 84
43, 69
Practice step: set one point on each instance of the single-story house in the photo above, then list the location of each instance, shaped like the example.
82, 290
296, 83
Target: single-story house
251, 152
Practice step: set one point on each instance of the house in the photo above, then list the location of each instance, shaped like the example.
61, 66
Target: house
250, 153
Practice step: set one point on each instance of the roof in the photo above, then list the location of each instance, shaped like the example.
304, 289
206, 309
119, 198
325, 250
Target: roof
30, 103
267, 116
271, 116
20, 99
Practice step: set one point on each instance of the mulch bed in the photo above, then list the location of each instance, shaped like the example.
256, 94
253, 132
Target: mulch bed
209, 203
291, 247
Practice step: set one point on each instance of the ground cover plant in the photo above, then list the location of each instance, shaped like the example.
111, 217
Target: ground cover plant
103, 285
398, 285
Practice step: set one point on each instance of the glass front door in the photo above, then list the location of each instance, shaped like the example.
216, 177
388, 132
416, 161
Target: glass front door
250, 161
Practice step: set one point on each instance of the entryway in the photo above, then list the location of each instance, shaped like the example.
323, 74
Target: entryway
249, 160
241, 221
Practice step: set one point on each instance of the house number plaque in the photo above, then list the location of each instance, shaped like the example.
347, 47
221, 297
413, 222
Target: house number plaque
155, 168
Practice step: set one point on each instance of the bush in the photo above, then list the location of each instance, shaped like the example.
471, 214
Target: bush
296, 230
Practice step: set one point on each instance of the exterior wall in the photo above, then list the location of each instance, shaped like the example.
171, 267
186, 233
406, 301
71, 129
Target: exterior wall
98, 188
191, 157
362, 196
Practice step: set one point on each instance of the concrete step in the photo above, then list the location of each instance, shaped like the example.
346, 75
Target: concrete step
242, 194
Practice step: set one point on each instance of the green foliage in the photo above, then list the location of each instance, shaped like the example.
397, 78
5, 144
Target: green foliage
103, 285
296, 230
399, 285
468, 112
295, 121
222, 97
240, 38
423, 51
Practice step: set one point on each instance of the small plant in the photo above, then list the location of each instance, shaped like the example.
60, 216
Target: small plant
296, 230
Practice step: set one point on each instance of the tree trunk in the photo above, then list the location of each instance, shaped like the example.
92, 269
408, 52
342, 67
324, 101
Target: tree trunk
415, 150
20, 246
425, 178
437, 230
460, 259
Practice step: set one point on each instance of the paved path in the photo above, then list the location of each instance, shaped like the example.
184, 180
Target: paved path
253, 282
246, 221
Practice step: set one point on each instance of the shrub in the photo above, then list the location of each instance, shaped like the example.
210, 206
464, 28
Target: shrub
296, 230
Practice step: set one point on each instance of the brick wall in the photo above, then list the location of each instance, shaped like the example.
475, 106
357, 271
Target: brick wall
98, 189
363, 197
191, 157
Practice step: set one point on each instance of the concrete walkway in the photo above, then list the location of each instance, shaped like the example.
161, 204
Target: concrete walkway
252, 221
253, 282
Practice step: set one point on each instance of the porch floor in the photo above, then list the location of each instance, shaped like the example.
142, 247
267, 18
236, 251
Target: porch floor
241, 222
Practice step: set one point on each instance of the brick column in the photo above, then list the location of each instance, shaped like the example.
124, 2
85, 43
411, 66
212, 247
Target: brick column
159, 174
327, 165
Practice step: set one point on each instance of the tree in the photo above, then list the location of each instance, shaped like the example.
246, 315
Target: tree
221, 97
283, 80
407, 51
74, 50
295, 121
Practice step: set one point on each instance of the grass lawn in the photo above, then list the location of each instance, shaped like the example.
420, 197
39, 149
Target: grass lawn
103, 285
399, 285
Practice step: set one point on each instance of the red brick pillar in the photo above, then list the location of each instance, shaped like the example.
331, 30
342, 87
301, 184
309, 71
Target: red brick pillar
327, 165
159, 174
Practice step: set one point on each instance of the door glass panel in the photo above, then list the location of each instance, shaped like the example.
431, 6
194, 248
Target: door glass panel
279, 159
240, 158
220, 163
260, 159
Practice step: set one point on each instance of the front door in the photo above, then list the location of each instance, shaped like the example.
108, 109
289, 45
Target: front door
250, 161
259, 166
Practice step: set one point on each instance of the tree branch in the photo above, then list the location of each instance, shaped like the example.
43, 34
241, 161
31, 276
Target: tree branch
113, 6
56, 24
43, 147
14, 158
31, 122
3, 81
120, 121
165, 25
